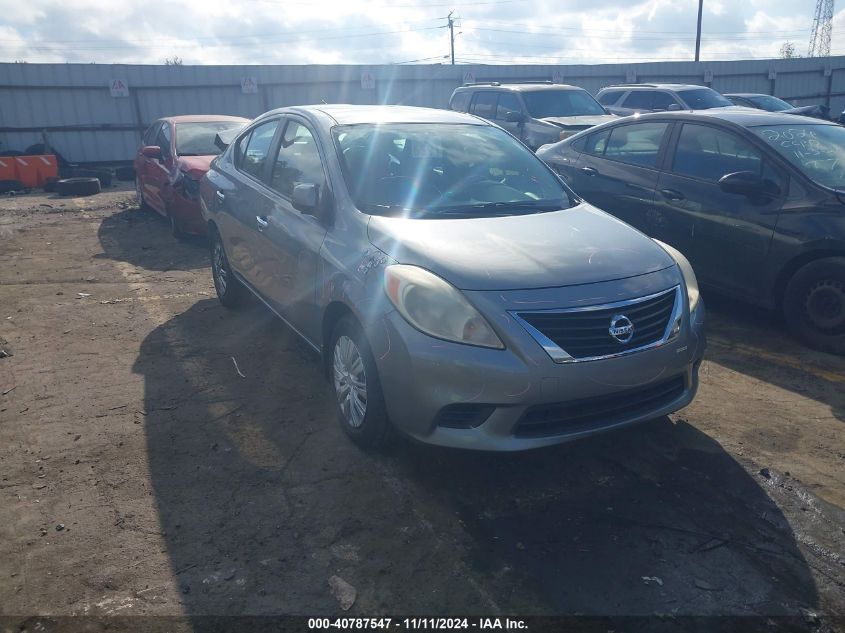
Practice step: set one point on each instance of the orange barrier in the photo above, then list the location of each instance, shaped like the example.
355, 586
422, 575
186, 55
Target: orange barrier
7, 168
32, 171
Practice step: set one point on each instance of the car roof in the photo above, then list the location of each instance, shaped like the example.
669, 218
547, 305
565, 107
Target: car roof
745, 117
747, 94
651, 86
203, 118
521, 87
346, 114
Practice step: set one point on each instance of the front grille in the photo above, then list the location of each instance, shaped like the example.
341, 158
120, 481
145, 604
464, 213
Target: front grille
599, 411
585, 332
463, 416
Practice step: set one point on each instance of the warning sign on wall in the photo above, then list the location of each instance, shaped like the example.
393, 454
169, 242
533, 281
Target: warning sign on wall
119, 88
368, 81
249, 85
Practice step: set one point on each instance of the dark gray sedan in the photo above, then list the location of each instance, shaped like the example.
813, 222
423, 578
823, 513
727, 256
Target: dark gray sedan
456, 289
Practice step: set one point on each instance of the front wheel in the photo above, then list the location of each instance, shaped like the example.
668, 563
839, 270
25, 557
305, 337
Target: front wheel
814, 304
230, 290
357, 389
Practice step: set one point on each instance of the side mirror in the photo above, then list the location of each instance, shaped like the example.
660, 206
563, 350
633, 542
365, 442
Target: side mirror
151, 151
305, 197
514, 117
747, 183
673, 107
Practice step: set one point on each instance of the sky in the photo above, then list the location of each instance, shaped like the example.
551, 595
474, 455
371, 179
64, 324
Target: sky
403, 31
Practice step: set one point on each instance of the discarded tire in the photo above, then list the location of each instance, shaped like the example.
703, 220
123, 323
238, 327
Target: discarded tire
11, 185
50, 184
78, 186
104, 176
125, 174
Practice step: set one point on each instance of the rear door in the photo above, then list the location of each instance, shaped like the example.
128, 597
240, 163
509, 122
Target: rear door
726, 236
636, 101
618, 169
483, 104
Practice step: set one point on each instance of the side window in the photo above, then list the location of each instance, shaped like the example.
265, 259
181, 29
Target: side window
151, 134
637, 144
709, 153
253, 149
662, 101
610, 97
163, 140
639, 100
596, 143
508, 102
484, 104
298, 161
460, 101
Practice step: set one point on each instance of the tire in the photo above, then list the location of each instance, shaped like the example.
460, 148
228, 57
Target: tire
78, 187
814, 304
351, 360
230, 290
103, 175
176, 230
125, 173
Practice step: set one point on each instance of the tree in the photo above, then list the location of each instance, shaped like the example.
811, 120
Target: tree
787, 50
173, 61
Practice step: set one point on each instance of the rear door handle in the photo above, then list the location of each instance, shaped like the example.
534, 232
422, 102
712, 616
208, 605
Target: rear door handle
590, 171
672, 194
262, 222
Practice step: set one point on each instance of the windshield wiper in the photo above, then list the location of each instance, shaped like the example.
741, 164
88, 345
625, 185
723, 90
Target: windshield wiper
507, 207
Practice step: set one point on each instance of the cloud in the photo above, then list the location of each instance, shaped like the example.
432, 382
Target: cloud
370, 32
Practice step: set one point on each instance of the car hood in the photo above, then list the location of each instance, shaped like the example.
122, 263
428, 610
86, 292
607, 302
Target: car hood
195, 165
582, 122
560, 248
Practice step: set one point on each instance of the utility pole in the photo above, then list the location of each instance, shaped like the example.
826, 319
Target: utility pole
698, 31
452, 36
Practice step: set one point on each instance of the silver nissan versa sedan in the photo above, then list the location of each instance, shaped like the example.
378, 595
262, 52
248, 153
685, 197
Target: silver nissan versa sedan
457, 290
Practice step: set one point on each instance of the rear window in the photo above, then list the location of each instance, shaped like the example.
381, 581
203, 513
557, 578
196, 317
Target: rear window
610, 97
703, 99
460, 100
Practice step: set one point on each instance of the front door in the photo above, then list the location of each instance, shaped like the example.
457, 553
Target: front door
726, 236
618, 169
292, 239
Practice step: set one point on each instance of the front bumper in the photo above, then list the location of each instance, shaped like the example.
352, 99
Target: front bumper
423, 377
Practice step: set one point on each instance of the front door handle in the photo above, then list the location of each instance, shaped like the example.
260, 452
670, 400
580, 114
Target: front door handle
262, 222
672, 194
220, 195
590, 171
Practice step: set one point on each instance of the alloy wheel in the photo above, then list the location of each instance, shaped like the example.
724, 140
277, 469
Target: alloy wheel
350, 381
218, 263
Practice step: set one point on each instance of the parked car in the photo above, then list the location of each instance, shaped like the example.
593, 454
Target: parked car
755, 200
173, 157
626, 99
773, 104
454, 286
535, 112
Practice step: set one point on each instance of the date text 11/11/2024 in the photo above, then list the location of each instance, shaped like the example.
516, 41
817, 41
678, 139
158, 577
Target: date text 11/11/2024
415, 624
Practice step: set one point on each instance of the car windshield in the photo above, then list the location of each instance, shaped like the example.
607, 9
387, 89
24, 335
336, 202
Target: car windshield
703, 99
772, 104
817, 150
444, 170
197, 139
556, 103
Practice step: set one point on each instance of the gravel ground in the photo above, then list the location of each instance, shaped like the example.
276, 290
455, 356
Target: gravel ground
142, 475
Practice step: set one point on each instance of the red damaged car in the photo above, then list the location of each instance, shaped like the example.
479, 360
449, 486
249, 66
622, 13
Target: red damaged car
175, 155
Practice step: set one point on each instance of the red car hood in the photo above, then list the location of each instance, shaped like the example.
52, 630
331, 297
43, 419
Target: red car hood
196, 166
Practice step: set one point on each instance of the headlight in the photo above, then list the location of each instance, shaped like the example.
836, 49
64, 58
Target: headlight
687, 271
436, 308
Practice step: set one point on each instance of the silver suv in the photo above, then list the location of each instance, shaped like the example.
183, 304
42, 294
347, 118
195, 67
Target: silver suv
536, 112
456, 289
626, 99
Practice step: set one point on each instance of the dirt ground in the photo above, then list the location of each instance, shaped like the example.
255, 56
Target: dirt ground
140, 474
